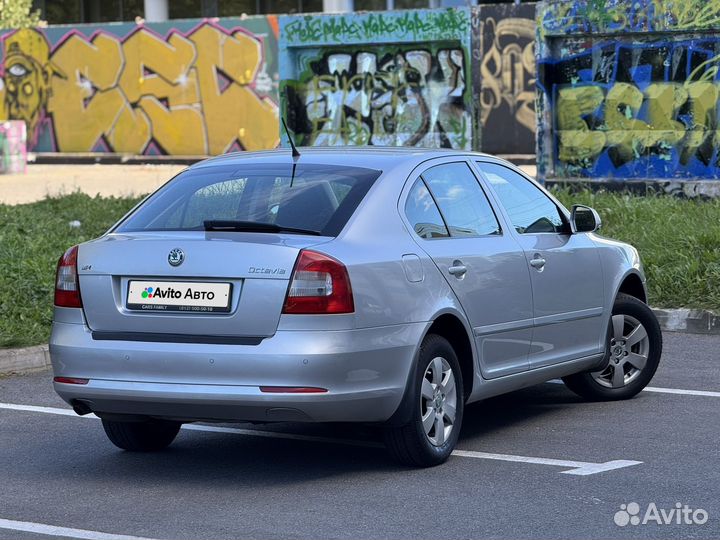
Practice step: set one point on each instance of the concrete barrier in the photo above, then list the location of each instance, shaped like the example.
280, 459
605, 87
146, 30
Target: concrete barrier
24, 360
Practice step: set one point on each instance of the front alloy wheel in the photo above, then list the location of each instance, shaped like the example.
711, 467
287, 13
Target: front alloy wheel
629, 349
632, 356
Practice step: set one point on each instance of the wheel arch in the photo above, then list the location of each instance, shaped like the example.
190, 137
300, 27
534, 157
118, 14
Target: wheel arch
449, 324
632, 285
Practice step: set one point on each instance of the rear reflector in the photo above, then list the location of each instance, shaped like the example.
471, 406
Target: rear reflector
292, 390
319, 285
67, 288
71, 380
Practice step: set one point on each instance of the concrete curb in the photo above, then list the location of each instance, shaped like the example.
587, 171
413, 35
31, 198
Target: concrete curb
692, 321
24, 360
106, 158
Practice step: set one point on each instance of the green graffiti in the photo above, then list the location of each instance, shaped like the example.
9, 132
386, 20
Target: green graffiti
382, 95
560, 17
418, 25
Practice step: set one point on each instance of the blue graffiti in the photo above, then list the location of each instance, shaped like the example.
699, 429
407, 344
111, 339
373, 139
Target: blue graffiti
678, 138
604, 16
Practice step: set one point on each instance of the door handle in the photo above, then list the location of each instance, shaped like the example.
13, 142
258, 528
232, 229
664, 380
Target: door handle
538, 262
457, 269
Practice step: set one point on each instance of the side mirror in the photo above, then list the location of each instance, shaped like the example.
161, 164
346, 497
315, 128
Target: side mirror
584, 219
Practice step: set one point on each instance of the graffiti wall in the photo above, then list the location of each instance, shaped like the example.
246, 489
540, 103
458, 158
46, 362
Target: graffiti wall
640, 102
185, 87
426, 77
385, 78
567, 17
506, 57
13, 150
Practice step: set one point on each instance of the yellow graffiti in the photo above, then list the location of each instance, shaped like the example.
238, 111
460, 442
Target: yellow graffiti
508, 72
187, 95
663, 101
628, 135
237, 112
689, 13
577, 140
28, 71
703, 97
622, 104
87, 102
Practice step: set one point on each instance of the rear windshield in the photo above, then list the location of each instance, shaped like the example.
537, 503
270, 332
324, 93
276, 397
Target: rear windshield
318, 198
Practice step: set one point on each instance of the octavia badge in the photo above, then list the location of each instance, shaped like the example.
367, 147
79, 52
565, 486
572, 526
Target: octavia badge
176, 257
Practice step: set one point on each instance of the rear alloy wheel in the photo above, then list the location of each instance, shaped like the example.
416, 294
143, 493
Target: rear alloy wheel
147, 436
634, 349
437, 402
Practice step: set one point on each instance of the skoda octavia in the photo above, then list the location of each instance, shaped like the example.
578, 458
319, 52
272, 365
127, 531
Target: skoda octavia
388, 286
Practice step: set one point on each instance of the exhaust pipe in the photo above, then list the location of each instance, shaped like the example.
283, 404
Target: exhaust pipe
81, 408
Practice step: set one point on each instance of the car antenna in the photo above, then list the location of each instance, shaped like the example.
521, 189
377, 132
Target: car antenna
295, 153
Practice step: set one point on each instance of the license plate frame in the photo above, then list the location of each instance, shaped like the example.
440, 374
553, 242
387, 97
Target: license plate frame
178, 296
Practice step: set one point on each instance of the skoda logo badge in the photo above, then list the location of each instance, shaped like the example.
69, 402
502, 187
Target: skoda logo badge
176, 257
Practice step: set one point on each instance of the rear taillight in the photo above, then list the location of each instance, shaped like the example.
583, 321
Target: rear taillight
67, 288
319, 285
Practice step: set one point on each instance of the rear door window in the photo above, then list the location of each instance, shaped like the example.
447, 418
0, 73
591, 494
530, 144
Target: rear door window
423, 214
462, 202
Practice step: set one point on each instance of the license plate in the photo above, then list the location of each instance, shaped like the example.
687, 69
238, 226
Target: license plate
179, 296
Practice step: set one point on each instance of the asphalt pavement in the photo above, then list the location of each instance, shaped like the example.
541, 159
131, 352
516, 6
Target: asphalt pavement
537, 463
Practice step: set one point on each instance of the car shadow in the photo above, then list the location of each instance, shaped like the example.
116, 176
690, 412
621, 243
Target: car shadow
237, 460
521, 406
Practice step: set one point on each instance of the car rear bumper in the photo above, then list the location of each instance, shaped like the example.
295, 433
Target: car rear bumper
364, 372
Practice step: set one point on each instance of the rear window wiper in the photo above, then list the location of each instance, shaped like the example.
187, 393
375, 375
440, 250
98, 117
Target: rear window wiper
252, 226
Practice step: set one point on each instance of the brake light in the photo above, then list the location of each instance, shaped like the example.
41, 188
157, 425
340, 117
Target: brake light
319, 285
67, 287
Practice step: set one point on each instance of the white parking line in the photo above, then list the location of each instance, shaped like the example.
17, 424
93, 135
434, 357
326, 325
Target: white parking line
52, 530
706, 393
658, 390
579, 468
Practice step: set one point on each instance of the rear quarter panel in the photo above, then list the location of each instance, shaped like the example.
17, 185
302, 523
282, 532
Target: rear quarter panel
387, 290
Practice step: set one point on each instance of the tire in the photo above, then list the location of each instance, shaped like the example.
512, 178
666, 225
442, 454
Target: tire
631, 359
436, 386
147, 436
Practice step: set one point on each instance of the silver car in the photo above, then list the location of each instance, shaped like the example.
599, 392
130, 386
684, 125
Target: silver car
381, 285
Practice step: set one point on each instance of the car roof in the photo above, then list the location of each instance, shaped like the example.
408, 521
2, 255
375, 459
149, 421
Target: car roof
372, 157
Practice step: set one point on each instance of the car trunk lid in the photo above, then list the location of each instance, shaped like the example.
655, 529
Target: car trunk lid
160, 283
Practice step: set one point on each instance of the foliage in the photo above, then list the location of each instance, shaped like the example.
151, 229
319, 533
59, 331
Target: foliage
678, 240
18, 14
32, 238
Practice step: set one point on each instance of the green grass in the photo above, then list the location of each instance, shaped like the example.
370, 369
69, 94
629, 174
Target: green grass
32, 238
678, 239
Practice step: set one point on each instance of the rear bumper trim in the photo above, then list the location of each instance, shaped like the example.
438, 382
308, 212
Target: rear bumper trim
175, 338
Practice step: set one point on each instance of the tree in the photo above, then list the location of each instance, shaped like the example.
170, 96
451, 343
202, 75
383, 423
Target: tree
18, 14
